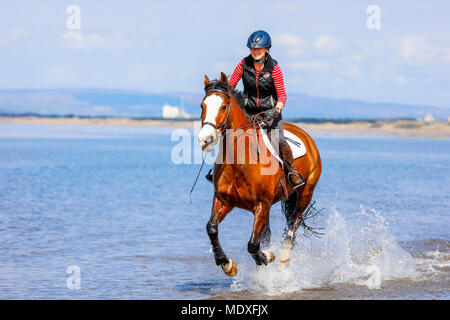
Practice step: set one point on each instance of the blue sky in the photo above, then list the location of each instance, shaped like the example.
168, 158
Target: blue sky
323, 47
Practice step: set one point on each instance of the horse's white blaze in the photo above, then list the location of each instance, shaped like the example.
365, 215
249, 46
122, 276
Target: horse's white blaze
207, 136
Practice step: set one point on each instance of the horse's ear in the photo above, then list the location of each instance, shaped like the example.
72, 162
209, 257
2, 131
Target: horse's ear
206, 80
223, 77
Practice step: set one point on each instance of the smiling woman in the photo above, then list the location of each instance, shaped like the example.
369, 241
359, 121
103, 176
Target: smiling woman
264, 91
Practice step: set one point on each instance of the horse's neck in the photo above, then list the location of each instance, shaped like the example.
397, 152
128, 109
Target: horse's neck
239, 127
237, 116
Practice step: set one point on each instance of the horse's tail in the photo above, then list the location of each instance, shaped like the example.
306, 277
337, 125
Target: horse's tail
290, 210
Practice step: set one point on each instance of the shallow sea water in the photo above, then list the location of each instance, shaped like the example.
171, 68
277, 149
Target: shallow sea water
111, 202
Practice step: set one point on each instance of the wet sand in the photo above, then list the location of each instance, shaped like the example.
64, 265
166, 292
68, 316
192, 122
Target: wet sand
393, 289
400, 128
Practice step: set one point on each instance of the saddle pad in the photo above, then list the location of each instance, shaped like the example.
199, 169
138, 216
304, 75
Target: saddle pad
296, 144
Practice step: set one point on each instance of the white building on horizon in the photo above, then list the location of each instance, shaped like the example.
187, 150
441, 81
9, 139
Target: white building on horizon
172, 112
428, 118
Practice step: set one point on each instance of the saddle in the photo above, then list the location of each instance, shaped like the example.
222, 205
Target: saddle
297, 146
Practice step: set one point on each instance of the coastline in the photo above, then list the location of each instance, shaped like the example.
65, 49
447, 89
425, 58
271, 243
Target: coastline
394, 127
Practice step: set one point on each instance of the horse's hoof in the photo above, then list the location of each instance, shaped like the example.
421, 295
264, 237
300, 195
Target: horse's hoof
285, 258
283, 264
269, 256
230, 268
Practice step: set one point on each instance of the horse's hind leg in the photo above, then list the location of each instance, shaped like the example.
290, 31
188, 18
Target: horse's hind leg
293, 222
265, 236
260, 222
219, 212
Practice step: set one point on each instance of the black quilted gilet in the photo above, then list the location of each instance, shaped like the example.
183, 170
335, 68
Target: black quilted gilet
260, 93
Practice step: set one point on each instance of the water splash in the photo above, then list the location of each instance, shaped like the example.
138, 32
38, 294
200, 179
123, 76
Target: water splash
433, 260
357, 250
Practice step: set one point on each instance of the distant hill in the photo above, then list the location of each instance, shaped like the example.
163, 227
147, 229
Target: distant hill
117, 103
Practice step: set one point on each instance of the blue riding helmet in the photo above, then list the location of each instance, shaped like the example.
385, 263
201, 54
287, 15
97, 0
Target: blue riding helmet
259, 39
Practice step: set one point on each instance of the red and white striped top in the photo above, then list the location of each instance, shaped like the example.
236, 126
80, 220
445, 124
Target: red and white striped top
277, 76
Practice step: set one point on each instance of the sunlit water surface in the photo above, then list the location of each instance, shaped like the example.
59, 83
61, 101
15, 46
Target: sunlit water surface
111, 202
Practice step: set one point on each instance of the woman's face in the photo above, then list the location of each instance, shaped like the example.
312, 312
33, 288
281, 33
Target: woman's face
258, 53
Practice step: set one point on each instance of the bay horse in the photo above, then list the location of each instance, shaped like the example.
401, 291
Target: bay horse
241, 184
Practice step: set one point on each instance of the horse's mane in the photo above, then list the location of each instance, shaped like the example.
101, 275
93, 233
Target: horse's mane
225, 86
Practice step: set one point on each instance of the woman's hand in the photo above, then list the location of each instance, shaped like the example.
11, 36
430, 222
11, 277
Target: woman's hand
279, 106
271, 114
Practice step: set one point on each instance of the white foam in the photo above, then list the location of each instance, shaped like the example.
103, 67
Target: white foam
358, 251
433, 265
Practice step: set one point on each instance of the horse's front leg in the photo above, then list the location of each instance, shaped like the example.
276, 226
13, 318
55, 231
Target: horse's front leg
260, 222
219, 212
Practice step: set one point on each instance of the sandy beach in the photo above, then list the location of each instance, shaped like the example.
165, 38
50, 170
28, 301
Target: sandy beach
401, 128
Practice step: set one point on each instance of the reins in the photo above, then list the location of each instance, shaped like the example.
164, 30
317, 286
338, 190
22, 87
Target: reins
198, 174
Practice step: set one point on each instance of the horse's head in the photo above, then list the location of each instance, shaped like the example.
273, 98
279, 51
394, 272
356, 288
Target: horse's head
215, 111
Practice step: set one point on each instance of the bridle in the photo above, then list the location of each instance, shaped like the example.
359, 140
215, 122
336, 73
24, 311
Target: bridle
216, 127
224, 124
254, 122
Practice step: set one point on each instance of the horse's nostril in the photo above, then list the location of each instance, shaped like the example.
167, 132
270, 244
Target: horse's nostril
206, 141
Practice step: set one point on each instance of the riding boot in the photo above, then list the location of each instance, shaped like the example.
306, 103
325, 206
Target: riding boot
209, 176
294, 177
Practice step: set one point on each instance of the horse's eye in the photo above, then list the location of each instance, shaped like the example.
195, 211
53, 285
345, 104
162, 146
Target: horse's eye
223, 108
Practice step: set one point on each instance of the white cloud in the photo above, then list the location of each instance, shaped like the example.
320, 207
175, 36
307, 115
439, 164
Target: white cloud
416, 51
357, 57
81, 42
326, 45
293, 43
13, 34
287, 40
400, 79
19, 33
78, 41
353, 71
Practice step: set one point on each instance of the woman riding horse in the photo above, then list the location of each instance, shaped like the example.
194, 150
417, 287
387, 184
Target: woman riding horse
264, 89
227, 115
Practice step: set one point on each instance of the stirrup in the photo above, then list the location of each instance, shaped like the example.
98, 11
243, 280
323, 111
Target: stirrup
299, 175
209, 176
